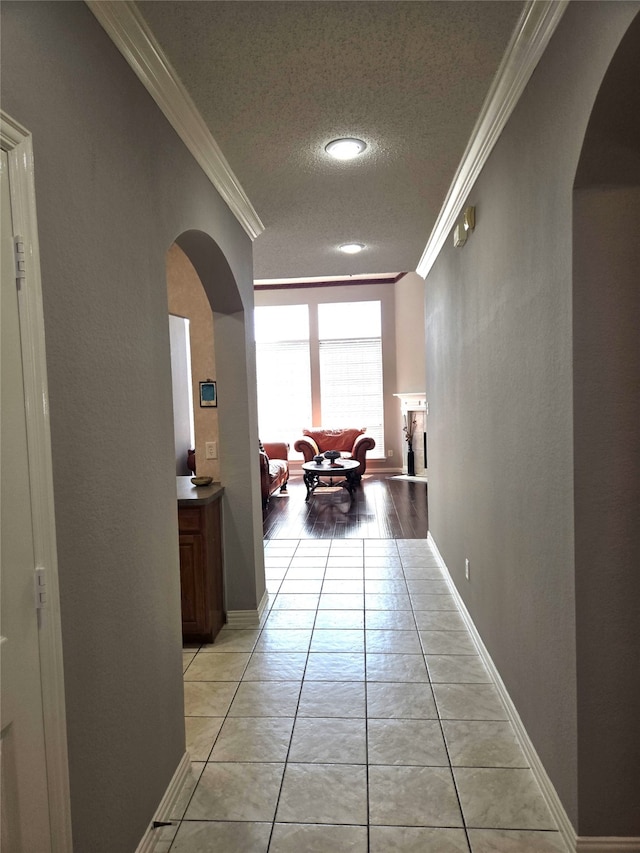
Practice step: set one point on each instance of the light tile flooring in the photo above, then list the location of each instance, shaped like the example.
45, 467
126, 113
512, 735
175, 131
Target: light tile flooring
359, 718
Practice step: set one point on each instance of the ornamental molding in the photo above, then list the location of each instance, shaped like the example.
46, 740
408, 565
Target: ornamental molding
128, 30
530, 38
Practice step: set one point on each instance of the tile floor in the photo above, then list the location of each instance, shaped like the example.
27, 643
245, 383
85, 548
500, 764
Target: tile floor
358, 717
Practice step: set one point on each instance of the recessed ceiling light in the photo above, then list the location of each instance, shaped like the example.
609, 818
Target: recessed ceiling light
351, 248
345, 149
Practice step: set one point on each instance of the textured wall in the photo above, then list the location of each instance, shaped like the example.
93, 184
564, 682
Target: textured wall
115, 187
500, 383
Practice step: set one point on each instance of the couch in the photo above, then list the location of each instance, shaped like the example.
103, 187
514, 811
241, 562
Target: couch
351, 444
274, 468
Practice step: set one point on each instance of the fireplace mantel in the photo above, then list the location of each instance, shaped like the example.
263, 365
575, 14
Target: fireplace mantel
413, 401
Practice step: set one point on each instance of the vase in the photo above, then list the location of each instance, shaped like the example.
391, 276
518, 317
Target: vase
411, 467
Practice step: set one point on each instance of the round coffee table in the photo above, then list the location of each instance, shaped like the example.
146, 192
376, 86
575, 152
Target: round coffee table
344, 473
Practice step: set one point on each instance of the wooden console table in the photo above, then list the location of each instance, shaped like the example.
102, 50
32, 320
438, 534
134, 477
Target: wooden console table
201, 560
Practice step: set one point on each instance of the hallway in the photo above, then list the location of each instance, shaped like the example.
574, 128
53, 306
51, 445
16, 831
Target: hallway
358, 717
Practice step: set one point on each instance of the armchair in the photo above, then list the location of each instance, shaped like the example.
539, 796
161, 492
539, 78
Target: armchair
351, 443
274, 469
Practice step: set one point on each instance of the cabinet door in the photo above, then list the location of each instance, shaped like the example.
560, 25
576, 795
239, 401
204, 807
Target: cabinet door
192, 585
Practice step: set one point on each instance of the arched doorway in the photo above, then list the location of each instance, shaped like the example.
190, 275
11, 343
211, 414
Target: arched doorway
606, 358
201, 277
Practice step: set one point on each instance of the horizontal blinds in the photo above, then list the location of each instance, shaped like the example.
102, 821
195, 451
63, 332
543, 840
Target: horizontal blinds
351, 386
284, 390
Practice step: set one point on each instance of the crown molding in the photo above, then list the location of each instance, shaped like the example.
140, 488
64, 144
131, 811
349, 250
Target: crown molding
530, 38
300, 284
126, 27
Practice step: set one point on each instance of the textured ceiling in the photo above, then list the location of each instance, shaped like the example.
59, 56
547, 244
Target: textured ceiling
275, 81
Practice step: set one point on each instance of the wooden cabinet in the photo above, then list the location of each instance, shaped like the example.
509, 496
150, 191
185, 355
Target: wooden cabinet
201, 565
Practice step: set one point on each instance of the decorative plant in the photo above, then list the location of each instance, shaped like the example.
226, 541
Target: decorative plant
408, 429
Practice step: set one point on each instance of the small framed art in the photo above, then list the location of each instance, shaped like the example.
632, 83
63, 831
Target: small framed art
208, 394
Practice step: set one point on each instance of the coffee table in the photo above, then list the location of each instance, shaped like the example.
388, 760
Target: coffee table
345, 474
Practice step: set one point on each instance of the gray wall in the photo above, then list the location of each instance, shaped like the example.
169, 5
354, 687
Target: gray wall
606, 363
500, 381
115, 187
410, 367
606, 350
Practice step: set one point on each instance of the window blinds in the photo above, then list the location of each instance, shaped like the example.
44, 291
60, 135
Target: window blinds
351, 386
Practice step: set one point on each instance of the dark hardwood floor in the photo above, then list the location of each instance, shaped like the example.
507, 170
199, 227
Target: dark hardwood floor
382, 508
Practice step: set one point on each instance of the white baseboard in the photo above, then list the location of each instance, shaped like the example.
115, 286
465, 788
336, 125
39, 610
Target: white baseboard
151, 836
411, 478
603, 844
579, 844
537, 768
263, 608
247, 618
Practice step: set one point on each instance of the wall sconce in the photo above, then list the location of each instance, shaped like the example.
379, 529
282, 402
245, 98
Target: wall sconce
464, 226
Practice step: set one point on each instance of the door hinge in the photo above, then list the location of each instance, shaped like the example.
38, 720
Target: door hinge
40, 584
21, 268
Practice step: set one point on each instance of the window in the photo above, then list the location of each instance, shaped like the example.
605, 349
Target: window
342, 362
283, 371
350, 346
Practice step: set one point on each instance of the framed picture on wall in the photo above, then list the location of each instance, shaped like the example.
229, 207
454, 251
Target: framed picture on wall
208, 394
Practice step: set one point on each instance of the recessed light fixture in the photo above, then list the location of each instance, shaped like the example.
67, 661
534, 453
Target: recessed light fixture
345, 149
351, 248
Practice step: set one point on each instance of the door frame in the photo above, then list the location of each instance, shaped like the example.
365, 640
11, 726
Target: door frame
17, 143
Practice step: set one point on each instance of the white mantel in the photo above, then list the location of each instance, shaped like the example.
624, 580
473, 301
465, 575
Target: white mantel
415, 403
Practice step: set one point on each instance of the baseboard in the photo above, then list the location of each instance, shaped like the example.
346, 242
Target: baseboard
411, 478
263, 607
537, 768
151, 836
248, 618
614, 844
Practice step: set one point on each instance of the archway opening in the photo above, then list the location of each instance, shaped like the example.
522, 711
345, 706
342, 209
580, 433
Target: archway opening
606, 358
225, 335
193, 361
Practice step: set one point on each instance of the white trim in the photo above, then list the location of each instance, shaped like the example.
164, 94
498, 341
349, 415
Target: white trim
412, 401
248, 618
537, 24
411, 478
150, 839
604, 844
126, 27
263, 606
537, 768
16, 141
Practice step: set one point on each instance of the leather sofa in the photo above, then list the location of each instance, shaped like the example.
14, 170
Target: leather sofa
274, 468
351, 444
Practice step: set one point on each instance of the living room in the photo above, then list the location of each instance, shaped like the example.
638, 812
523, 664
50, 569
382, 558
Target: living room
400, 306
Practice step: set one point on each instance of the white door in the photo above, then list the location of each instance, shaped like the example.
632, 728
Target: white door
23, 794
